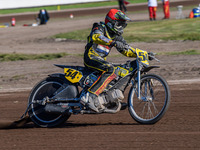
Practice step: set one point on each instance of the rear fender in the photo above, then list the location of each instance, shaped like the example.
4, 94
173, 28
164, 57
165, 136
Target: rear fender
70, 90
59, 75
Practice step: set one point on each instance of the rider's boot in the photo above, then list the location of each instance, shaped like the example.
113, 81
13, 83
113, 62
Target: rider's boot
89, 99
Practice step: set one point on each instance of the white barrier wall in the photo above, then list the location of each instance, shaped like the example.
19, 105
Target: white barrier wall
9, 4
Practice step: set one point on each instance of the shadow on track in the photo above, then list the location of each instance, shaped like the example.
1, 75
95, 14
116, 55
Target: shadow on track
23, 123
75, 125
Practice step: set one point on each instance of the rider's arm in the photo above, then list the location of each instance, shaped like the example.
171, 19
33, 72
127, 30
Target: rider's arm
98, 36
129, 52
101, 39
125, 49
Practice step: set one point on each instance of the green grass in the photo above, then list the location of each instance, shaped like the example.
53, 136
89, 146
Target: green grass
184, 29
63, 7
75, 35
188, 52
16, 57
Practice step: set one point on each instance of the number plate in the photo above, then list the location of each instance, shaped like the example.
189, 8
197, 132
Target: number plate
122, 71
143, 56
72, 75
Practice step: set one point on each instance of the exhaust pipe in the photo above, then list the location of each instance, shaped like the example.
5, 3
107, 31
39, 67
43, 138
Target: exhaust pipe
56, 109
113, 111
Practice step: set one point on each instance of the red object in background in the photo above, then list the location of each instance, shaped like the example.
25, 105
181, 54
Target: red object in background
126, 2
13, 21
152, 12
191, 14
166, 9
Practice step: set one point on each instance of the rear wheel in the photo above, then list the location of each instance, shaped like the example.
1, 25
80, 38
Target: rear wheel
155, 99
37, 113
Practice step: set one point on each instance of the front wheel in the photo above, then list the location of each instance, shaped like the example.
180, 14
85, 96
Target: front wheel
46, 88
154, 101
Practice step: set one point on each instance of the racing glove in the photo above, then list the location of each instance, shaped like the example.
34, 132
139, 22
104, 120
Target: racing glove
118, 45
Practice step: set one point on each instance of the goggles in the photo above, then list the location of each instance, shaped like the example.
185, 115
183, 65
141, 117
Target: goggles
122, 24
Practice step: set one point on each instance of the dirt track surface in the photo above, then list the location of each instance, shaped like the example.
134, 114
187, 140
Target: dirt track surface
178, 129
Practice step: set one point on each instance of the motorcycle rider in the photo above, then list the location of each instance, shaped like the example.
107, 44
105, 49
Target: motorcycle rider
103, 36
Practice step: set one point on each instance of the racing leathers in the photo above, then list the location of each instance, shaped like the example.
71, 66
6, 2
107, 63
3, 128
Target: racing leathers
100, 42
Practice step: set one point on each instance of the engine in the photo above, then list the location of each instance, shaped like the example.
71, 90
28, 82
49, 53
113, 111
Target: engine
110, 98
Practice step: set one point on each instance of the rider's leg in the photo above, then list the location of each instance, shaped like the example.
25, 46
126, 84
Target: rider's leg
95, 62
102, 82
97, 88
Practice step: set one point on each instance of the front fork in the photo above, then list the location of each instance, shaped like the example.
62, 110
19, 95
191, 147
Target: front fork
139, 67
138, 83
146, 85
138, 80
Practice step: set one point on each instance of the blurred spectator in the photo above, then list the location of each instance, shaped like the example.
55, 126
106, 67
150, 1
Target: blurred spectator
43, 16
152, 6
122, 5
166, 9
195, 12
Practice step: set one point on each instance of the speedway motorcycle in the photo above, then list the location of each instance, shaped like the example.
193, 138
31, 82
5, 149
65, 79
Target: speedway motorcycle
54, 99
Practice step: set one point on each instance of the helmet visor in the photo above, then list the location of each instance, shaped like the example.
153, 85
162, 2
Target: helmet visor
121, 24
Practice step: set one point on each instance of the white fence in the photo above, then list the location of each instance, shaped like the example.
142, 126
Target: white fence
9, 4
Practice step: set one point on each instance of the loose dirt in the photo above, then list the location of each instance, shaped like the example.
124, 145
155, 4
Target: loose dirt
178, 129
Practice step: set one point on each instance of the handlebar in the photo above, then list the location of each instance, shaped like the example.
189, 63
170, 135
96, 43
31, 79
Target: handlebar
152, 56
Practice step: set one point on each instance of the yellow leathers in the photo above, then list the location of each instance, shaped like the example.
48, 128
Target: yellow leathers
100, 40
98, 47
